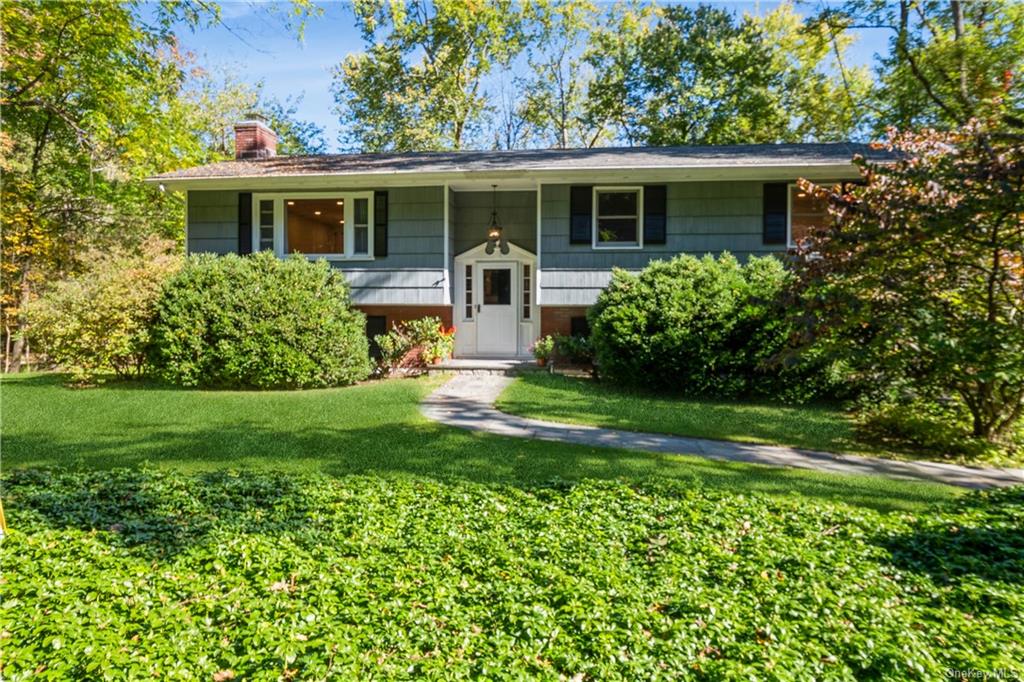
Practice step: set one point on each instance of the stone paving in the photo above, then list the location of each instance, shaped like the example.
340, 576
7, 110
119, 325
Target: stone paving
467, 402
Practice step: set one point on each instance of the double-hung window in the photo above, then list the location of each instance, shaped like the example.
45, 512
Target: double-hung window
806, 213
329, 225
618, 217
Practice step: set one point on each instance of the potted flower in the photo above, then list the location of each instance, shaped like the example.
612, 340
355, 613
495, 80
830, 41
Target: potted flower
542, 349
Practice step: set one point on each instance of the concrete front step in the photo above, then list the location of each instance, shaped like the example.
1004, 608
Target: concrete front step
485, 366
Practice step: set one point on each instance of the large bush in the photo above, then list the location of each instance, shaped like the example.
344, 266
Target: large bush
259, 321
701, 326
97, 322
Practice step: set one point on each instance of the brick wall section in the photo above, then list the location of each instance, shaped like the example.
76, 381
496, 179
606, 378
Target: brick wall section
254, 140
403, 313
558, 319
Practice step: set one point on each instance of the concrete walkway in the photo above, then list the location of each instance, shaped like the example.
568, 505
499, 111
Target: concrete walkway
467, 402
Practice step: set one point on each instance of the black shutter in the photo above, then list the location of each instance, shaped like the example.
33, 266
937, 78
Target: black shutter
244, 223
655, 214
581, 207
775, 210
380, 224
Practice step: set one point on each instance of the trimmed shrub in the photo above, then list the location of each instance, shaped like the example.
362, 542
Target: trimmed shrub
98, 322
701, 326
261, 322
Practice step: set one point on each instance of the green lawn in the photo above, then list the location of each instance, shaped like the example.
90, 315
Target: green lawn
338, 534
374, 428
583, 401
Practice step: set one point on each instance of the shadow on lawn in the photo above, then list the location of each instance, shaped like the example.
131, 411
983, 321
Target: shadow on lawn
424, 449
982, 538
160, 515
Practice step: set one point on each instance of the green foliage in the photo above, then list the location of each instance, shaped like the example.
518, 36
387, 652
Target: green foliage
576, 349
933, 428
258, 321
419, 84
705, 76
701, 326
556, 90
259, 575
919, 281
543, 347
96, 97
414, 342
376, 427
947, 62
98, 322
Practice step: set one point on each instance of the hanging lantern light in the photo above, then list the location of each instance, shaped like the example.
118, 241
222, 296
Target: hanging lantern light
494, 230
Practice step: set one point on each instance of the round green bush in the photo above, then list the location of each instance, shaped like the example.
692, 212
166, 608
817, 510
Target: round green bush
708, 326
258, 322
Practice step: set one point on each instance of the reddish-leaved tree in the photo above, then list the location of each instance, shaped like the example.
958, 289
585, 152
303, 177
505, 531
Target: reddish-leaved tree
919, 278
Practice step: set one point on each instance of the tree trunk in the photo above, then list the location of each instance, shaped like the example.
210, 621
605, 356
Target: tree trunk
958, 27
19, 349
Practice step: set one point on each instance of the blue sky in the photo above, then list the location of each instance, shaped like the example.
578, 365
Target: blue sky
253, 45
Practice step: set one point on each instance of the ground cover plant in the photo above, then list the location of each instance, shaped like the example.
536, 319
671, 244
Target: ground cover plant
263, 575
258, 321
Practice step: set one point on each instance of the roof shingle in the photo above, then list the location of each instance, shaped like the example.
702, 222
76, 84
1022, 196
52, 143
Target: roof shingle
606, 158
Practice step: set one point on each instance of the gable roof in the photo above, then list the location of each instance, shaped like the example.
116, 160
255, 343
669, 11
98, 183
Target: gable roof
605, 158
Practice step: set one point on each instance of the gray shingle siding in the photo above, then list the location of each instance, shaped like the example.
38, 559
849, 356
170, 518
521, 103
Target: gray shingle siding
412, 273
212, 222
517, 214
703, 217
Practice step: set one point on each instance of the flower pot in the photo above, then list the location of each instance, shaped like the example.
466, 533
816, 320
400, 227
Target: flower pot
436, 361
541, 362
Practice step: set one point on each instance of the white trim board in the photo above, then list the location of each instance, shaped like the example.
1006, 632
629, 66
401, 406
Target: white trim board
528, 178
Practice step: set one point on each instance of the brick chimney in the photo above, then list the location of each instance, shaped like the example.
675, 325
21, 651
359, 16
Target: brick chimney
254, 139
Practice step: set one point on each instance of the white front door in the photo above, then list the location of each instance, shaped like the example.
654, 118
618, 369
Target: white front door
496, 326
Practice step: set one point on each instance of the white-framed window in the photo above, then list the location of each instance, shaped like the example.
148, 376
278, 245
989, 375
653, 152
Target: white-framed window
618, 218
469, 293
331, 225
804, 212
527, 290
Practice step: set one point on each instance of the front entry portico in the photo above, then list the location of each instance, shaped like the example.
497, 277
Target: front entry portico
494, 314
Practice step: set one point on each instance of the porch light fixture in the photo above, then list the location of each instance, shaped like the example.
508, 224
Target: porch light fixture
494, 231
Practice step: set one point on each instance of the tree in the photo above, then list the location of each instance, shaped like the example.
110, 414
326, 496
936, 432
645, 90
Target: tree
89, 113
949, 60
920, 279
556, 91
704, 76
419, 85
211, 104
84, 115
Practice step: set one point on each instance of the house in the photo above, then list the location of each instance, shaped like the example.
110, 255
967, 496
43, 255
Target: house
505, 245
